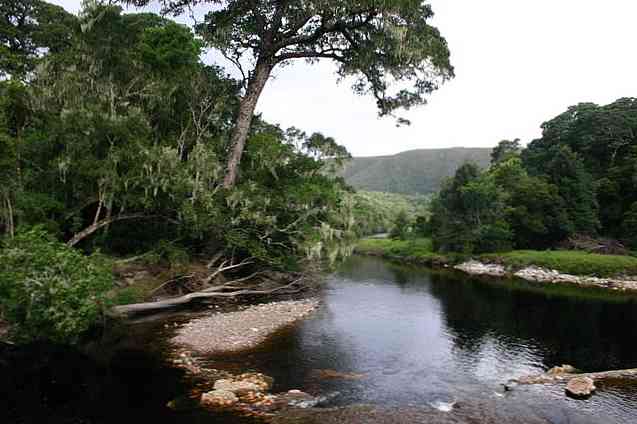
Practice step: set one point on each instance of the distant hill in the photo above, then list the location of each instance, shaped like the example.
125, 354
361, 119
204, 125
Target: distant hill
412, 172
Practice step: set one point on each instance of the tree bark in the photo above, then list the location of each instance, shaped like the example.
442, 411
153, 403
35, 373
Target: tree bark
242, 127
10, 223
99, 224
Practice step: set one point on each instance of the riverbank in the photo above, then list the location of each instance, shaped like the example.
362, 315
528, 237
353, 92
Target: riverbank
614, 272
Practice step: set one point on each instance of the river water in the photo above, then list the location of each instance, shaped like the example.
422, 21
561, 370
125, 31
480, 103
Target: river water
433, 341
422, 345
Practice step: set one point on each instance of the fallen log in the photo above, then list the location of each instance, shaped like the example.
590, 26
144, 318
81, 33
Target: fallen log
137, 308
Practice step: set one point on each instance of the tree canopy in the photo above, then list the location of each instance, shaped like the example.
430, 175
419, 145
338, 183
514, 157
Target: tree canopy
578, 179
388, 47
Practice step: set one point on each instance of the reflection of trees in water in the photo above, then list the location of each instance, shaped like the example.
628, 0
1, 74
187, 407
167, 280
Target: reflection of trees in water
365, 268
591, 334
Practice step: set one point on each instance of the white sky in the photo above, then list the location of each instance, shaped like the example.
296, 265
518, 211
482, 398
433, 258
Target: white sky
518, 63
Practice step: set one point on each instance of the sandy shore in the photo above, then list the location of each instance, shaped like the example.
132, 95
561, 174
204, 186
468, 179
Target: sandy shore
242, 330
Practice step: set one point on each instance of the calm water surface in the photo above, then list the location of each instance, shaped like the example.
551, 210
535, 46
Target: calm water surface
421, 339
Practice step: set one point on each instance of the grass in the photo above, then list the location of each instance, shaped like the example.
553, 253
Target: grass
568, 261
565, 261
418, 250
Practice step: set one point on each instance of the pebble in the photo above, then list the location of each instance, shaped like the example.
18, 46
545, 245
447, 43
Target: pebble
241, 330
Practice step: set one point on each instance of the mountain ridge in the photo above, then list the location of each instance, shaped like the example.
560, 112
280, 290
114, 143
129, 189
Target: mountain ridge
417, 171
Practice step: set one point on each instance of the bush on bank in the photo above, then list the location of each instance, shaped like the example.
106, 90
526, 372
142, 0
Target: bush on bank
48, 290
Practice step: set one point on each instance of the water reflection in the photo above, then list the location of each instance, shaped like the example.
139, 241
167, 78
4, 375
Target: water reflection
422, 338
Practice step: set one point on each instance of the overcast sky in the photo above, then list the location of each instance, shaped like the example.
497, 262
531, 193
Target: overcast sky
518, 63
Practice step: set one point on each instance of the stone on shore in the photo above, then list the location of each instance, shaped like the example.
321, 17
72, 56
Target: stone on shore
580, 387
479, 268
219, 399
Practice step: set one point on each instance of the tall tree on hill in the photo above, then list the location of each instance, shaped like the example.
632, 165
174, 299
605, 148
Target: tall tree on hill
389, 47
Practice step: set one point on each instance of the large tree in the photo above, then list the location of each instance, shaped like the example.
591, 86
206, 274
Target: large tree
389, 47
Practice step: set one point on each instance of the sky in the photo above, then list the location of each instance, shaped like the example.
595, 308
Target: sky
517, 63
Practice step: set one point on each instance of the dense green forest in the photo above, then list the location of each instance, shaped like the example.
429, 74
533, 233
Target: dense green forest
579, 180
415, 172
376, 212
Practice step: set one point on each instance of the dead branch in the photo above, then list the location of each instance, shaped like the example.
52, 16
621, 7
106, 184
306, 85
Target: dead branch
172, 280
137, 308
214, 259
223, 267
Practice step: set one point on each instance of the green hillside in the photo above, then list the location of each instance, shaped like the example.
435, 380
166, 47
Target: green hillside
412, 172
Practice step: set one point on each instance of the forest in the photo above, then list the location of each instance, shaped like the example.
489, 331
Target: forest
575, 183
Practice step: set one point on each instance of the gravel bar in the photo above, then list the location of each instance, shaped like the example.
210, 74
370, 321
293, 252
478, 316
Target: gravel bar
242, 330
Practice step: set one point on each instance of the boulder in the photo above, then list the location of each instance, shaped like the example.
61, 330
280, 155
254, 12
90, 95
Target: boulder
580, 387
219, 399
262, 381
237, 387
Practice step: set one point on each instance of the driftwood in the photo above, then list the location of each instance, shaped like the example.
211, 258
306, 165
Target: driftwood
212, 292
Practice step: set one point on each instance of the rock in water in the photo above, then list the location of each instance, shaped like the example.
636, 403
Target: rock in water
564, 369
219, 399
580, 387
236, 387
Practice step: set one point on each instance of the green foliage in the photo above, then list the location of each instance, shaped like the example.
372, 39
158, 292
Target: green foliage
422, 226
412, 247
389, 47
629, 224
506, 149
116, 141
26, 28
401, 227
604, 140
414, 250
469, 214
48, 290
287, 206
575, 185
416, 172
569, 262
376, 212
536, 213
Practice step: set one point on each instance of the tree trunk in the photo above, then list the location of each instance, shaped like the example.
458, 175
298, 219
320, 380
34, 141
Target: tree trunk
160, 305
246, 111
99, 224
10, 223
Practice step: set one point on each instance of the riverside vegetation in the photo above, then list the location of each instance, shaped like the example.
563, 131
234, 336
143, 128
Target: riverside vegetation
120, 150
567, 202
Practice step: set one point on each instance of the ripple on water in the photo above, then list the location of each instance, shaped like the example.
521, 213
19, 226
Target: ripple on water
437, 346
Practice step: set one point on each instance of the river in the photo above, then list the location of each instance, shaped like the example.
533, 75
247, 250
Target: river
437, 343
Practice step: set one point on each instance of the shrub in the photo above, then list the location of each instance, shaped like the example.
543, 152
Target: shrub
48, 290
401, 227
